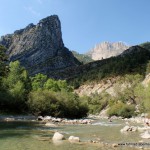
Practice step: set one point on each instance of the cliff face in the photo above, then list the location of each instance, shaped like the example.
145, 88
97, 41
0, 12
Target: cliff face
40, 48
106, 50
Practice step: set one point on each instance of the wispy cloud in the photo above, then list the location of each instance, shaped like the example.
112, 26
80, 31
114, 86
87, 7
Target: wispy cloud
31, 10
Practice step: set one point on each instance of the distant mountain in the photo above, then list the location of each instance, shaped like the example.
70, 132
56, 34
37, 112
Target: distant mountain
131, 61
106, 50
40, 48
82, 57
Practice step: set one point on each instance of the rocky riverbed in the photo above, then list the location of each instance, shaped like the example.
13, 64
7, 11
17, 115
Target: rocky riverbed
93, 132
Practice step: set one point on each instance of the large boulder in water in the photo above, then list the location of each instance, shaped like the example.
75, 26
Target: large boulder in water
74, 139
58, 136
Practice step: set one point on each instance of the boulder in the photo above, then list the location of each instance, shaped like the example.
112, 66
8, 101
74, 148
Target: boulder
56, 120
125, 129
58, 136
9, 119
134, 129
129, 128
74, 139
40, 118
145, 135
115, 145
47, 118
48, 124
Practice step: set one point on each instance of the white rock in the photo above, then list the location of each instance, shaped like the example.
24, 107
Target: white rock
9, 119
58, 136
56, 119
47, 118
125, 129
129, 128
133, 129
74, 139
145, 135
40, 118
48, 124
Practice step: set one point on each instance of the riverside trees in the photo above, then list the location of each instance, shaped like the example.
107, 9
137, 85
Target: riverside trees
39, 95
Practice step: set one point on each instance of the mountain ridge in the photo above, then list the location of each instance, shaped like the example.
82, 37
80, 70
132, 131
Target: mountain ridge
40, 48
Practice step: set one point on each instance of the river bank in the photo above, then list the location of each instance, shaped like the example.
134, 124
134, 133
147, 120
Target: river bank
98, 133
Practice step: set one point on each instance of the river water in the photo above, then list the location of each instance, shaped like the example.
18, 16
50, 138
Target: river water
32, 135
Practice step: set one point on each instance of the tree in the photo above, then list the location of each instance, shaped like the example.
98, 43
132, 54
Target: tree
56, 86
3, 58
38, 81
58, 104
18, 84
51, 84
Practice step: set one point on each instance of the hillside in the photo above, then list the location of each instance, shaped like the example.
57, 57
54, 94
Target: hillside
82, 57
133, 60
106, 49
146, 45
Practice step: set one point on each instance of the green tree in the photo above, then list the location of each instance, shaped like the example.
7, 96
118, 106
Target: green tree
18, 84
3, 58
51, 84
56, 86
38, 81
58, 104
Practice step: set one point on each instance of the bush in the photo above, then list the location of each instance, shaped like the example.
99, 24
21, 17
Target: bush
96, 102
43, 103
60, 104
121, 109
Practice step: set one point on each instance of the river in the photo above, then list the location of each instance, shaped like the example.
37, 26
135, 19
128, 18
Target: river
33, 135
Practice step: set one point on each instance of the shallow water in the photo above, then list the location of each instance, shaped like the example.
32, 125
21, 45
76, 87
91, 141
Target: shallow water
29, 135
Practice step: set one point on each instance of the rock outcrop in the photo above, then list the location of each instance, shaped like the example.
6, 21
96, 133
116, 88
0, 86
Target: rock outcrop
40, 48
146, 81
106, 50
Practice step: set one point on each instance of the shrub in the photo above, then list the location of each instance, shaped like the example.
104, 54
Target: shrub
43, 103
96, 102
121, 109
60, 104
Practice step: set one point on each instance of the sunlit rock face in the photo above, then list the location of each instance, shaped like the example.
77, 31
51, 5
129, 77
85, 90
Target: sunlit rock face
106, 50
40, 48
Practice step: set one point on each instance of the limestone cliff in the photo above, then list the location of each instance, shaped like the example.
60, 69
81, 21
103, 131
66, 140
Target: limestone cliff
40, 48
106, 50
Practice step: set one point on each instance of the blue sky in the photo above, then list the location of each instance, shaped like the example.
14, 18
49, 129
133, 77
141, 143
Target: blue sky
84, 22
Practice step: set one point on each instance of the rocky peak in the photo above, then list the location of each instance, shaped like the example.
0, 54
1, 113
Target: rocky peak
106, 50
40, 47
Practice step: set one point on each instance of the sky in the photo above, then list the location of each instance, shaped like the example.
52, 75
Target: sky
84, 23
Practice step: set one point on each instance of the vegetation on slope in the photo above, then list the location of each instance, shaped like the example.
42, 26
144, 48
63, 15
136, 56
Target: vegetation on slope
41, 95
130, 98
145, 45
38, 95
132, 61
84, 59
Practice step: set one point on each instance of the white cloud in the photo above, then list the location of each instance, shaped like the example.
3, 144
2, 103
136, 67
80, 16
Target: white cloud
32, 11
